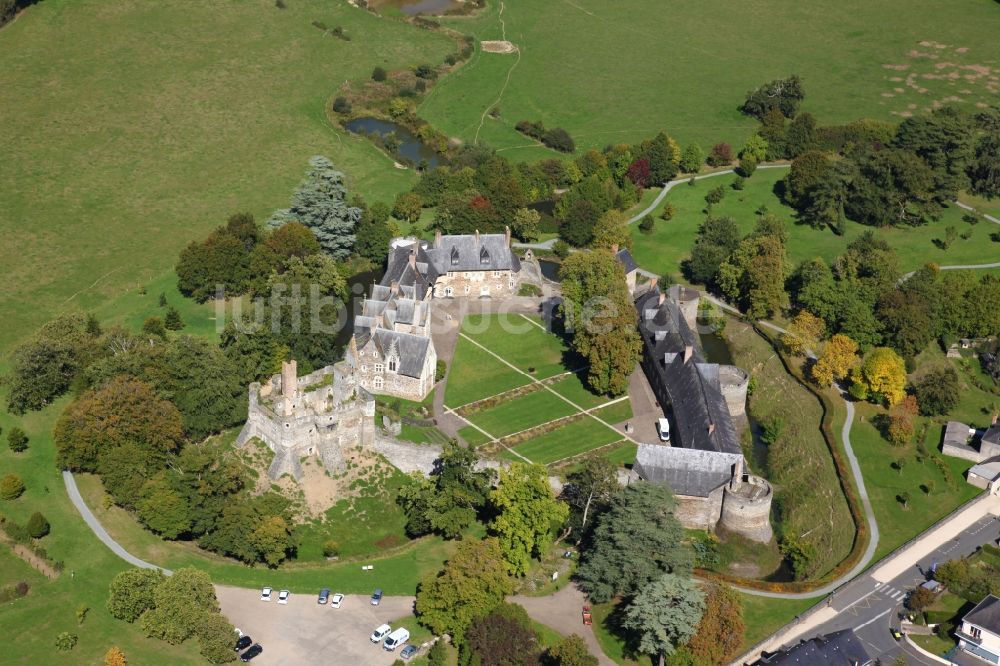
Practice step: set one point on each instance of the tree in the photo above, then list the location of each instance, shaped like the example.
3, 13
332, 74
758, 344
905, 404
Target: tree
715, 195
756, 147
181, 606
17, 440
273, 540
578, 223
570, 651
717, 238
839, 356
721, 155
37, 525
920, 599
892, 187
906, 321
407, 207
66, 641
504, 637
471, 584
646, 224
115, 656
378, 74
754, 275
221, 259
597, 308
320, 203
665, 614
883, 375
801, 135
663, 155
984, 166
172, 320
122, 411
590, 489
374, 232
215, 638
130, 593
524, 224
526, 512
692, 158
785, 95
720, 633
937, 391
438, 654
11, 487
944, 140
163, 509
633, 543
639, 173
153, 327
804, 333
611, 230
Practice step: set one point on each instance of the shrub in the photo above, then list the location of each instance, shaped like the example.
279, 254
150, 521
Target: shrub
115, 656
66, 641
722, 154
81, 613
341, 105
646, 224
715, 195
559, 139
748, 164
12, 592
172, 321
17, 440
37, 526
424, 72
438, 655
561, 249
440, 370
331, 548
280, 4
11, 487
920, 599
379, 74
668, 211
529, 289
738, 183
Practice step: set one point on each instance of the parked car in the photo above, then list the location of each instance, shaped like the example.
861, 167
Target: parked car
381, 632
324, 596
336, 600
377, 596
265, 594
395, 639
663, 428
587, 617
407, 652
251, 653
283, 596
243, 643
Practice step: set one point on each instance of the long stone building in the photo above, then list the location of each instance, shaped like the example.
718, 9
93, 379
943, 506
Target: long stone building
703, 462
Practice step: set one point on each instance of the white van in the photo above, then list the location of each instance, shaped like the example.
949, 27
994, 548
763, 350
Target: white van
663, 426
395, 639
381, 632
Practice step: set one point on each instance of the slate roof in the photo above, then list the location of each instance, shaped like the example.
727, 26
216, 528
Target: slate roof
701, 417
986, 615
412, 349
688, 472
472, 252
841, 648
992, 434
625, 258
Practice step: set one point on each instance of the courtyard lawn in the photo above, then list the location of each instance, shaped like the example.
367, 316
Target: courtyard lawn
614, 414
575, 389
472, 436
474, 374
620, 72
763, 616
663, 250
521, 413
521, 340
569, 440
212, 109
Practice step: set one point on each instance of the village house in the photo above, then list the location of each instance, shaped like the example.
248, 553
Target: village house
979, 634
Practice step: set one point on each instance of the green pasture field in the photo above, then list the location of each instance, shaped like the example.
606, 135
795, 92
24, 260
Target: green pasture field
521, 413
936, 486
569, 440
474, 375
670, 243
521, 340
151, 123
621, 71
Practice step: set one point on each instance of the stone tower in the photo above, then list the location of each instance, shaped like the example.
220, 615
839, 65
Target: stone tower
746, 506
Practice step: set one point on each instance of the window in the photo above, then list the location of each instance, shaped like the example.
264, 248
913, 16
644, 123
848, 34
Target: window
364, 369
379, 383
466, 288
484, 256
975, 632
511, 284
379, 369
392, 365
454, 256
497, 273
448, 291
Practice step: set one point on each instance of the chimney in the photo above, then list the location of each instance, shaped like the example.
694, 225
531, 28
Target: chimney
711, 428
413, 258
477, 237
614, 248
652, 284
437, 239
995, 416
289, 378
394, 287
688, 353
506, 233
663, 297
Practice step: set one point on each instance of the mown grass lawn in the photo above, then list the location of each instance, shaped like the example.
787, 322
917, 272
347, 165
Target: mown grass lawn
521, 413
522, 341
153, 122
575, 389
616, 413
619, 72
472, 436
663, 250
763, 616
569, 440
474, 374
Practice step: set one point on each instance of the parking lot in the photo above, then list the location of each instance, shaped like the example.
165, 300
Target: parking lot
303, 632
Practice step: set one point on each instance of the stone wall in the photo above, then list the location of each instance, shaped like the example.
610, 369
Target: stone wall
964, 452
473, 284
699, 513
733, 383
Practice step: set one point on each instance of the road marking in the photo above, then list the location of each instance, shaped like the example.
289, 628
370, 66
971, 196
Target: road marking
877, 617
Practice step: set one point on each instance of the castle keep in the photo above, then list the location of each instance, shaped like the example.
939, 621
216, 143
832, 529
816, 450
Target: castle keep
703, 463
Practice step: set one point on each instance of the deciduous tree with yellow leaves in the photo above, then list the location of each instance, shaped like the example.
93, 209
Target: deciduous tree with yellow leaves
836, 361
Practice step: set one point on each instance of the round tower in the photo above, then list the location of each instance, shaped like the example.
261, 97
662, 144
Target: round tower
746, 507
734, 382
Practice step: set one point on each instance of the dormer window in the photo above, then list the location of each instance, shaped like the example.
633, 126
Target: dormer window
392, 364
454, 256
484, 256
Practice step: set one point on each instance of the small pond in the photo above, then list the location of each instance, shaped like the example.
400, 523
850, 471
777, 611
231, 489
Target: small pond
550, 269
411, 7
410, 146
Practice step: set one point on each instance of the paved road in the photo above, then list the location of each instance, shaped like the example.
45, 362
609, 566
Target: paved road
98, 529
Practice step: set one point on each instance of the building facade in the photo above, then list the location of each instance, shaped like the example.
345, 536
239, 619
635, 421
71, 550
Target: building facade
979, 634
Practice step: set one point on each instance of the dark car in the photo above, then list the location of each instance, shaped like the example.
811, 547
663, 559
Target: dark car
377, 596
243, 643
408, 652
324, 596
251, 653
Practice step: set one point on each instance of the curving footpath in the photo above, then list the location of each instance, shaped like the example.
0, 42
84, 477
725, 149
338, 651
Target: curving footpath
98, 529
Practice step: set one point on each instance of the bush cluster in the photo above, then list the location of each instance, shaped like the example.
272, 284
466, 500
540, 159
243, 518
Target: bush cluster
556, 138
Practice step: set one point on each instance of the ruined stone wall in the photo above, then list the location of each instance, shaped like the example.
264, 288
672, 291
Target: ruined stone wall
746, 508
699, 513
734, 383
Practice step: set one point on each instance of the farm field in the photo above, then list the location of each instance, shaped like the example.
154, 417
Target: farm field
153, 122
572, 71
670, 243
